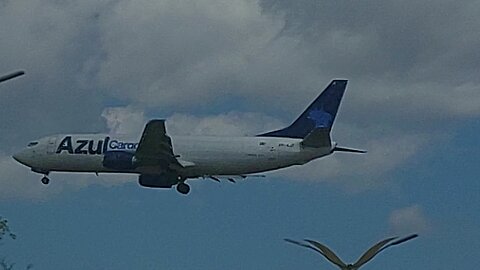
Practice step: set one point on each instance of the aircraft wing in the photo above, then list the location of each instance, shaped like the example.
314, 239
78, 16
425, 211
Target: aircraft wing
155, 147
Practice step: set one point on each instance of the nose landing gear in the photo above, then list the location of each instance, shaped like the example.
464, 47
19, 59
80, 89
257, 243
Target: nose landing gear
45, 180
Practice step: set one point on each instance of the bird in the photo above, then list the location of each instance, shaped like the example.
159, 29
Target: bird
366, 257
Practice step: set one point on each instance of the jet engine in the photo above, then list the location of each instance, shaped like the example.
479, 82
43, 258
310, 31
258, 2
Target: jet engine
119, 160
165, 180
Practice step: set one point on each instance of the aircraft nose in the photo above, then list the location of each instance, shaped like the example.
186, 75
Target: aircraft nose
22, 157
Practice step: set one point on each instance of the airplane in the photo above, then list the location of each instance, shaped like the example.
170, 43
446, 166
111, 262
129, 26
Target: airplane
11, 75
161, 161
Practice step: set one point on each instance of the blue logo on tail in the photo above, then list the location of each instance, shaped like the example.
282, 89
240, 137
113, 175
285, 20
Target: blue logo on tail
321, 118
320, 114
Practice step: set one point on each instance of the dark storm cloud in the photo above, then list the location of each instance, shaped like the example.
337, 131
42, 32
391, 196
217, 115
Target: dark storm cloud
388, 36
53, 41
413, 57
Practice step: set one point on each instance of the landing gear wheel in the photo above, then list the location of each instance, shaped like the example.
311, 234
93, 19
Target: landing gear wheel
183, 188
45, 180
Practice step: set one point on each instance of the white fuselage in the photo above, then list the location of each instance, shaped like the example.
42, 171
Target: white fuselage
199, 156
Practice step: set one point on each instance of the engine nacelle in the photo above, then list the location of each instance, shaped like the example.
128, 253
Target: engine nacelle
165, 180
119, 160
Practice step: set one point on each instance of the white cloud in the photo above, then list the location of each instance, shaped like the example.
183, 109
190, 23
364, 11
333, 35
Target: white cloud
124, 120
177, 53
131, 121
228, 124
410, 219
18, 182
462, 100
359, 172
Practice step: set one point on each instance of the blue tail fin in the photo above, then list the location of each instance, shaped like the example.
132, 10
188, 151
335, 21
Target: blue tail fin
319, 115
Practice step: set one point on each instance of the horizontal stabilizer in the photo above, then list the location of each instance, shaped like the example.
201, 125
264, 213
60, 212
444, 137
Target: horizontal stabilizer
319, 137
11, 75
349, 150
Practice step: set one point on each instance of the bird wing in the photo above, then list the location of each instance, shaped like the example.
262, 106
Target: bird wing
399, 241
371, 252
328, 254
303, 245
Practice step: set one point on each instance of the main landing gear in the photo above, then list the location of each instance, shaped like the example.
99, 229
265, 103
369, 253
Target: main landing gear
45, 180
183, 188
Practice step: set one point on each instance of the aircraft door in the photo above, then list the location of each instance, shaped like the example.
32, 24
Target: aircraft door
51, 145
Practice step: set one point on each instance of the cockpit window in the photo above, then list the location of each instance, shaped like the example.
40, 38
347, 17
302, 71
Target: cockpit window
30, 144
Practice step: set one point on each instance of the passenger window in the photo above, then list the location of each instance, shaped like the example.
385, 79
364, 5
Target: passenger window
32, 144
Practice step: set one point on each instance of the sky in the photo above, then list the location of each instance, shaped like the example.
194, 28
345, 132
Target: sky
241, 67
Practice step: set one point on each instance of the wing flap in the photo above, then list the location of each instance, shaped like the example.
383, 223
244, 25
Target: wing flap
185, 163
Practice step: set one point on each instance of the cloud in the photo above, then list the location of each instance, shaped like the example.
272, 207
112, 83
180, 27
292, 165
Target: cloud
410, 219
242, 67
175, 53
271, 53
124, 120
284, 50
52, 41
228, 124
131, 121
18, 182
416, 62
172, 54
359, 172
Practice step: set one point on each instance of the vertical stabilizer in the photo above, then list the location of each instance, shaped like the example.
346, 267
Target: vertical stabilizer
319, 115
